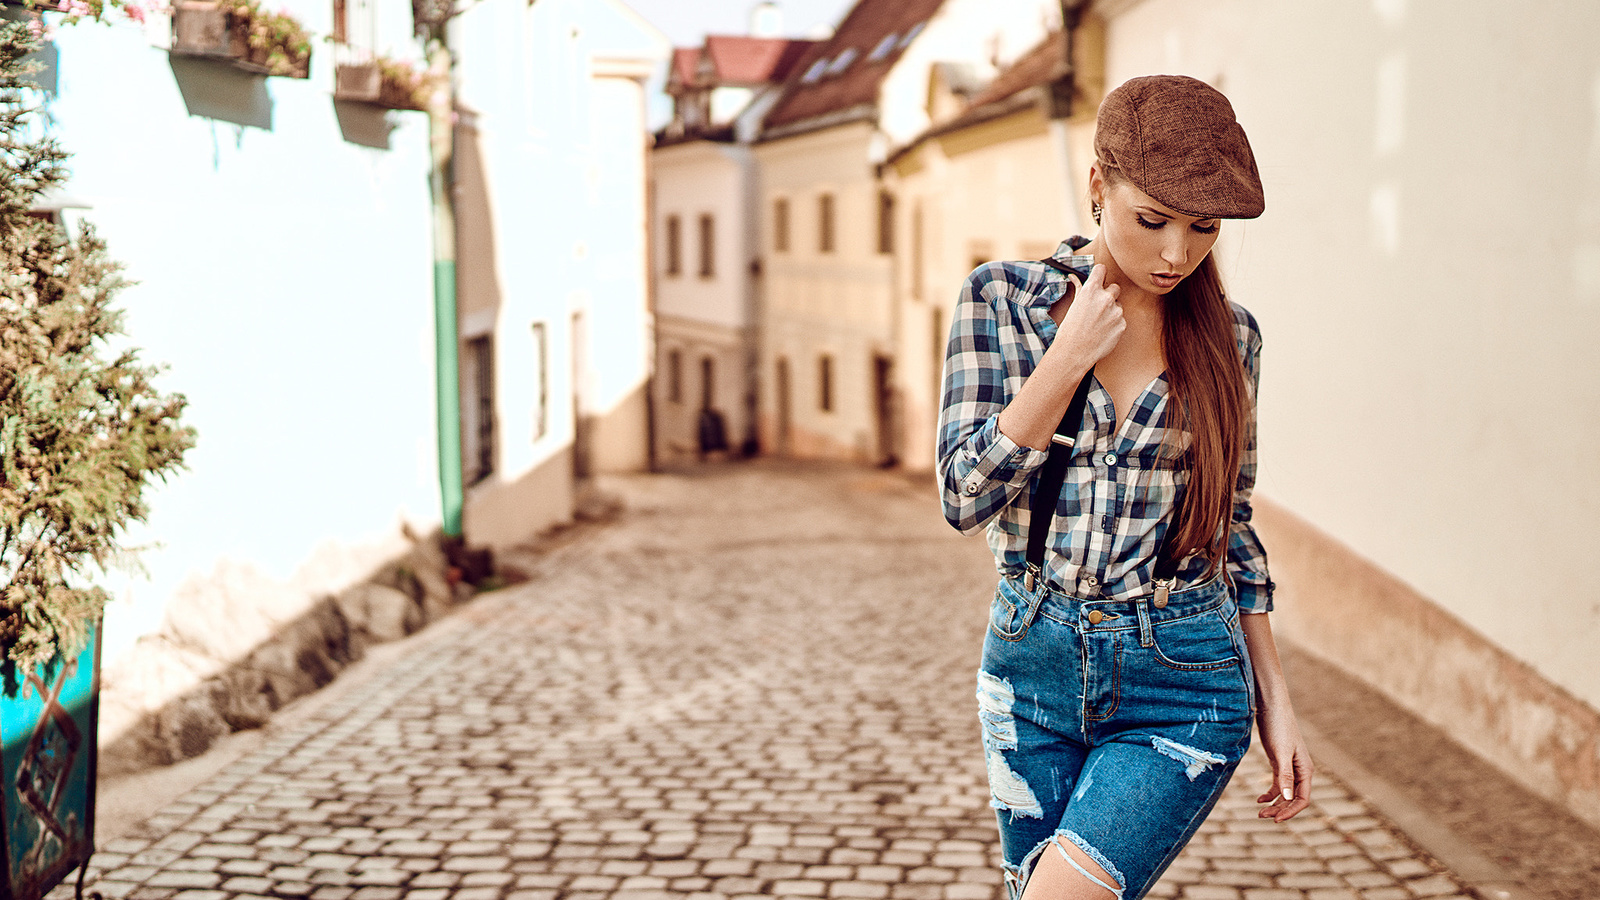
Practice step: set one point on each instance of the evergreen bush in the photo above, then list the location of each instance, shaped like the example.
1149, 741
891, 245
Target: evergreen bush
82, 430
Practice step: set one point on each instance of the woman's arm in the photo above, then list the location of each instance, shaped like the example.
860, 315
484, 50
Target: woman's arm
1247, 571
993, 436
1276, 723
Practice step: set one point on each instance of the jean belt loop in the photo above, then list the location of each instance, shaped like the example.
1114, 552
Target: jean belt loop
1147, 636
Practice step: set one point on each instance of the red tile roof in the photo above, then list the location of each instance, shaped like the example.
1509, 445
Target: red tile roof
753, 61
865, 29
684, 62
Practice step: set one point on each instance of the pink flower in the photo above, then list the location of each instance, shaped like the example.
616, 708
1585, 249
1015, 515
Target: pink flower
135, 12
36, 26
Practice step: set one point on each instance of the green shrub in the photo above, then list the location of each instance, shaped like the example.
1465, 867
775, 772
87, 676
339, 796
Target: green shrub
82, 430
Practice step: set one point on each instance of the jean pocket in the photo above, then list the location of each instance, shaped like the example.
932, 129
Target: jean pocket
1195, 643
1013, 610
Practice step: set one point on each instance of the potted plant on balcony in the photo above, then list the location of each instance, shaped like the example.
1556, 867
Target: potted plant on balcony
82, 431
253, 38
382, 81
277, 43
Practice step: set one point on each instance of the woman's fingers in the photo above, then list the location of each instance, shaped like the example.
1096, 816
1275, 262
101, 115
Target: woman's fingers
1291, 791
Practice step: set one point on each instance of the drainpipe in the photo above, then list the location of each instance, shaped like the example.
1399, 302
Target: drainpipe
1063, 90
441, 183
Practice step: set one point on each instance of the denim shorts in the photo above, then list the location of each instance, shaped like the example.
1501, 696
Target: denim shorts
1111, 724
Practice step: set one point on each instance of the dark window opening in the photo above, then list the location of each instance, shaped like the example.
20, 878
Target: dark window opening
825, 223
708, 247
480, 358
674, 376
885, 222
674, 245
780, 225
825, 383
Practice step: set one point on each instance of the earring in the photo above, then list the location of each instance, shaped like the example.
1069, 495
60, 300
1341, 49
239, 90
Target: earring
1094, 210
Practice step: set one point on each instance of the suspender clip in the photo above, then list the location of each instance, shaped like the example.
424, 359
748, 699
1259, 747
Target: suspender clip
1163, 588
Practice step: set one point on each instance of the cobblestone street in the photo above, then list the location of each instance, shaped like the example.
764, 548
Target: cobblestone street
756, 681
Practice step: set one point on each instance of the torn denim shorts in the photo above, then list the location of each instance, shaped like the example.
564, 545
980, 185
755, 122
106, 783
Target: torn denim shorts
1114, 725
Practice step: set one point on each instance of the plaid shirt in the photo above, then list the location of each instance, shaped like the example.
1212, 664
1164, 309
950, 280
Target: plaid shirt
1120, 491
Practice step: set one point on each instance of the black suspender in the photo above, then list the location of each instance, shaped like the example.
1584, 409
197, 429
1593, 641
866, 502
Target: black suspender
1047, 487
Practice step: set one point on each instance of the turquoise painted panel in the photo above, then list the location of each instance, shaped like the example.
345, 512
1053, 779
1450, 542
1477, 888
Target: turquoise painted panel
47, 771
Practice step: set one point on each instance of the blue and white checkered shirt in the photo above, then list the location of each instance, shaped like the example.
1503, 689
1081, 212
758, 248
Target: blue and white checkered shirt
1120, 490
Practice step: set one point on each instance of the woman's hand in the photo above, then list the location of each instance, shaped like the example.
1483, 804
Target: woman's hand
1088, 326
1291, 763
1091, 323
1275, 722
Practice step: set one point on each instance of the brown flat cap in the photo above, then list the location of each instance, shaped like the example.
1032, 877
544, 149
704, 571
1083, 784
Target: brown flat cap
1176, 139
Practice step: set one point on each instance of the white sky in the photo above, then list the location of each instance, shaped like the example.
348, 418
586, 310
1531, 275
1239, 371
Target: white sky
687, 22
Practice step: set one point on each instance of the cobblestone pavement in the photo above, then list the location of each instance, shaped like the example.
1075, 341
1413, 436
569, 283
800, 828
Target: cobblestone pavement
758, 681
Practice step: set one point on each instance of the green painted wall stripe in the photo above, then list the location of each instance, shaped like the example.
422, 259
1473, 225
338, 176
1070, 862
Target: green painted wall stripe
448, 391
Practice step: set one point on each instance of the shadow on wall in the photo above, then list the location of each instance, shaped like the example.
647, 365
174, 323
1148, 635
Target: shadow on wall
1345, 610
225, 661
363, 124
216, 90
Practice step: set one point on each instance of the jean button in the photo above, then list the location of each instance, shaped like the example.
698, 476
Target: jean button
1095, 616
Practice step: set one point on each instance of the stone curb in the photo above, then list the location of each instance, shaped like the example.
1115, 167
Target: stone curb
1486, 878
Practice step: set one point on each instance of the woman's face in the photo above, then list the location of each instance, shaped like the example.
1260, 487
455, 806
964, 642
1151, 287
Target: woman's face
1155, 246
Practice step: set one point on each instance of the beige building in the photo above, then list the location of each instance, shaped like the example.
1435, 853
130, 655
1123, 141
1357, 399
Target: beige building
705, 276
1427, 278
998, 177
829, 334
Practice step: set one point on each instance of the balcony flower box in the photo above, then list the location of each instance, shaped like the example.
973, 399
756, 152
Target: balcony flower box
208, 28
240, 31
382, 82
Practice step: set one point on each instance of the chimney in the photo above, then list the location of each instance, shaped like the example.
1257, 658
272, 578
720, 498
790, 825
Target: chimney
766, 21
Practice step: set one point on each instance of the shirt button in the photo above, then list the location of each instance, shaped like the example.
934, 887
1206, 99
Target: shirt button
972, 489
1091, 581
1111, 459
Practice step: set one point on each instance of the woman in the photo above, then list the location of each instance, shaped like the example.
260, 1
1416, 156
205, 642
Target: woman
1128, 653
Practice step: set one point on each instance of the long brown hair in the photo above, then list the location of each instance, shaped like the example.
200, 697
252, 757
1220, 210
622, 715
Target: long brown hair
1209, 398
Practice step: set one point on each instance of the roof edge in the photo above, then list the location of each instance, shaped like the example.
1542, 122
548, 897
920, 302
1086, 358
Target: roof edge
857, 113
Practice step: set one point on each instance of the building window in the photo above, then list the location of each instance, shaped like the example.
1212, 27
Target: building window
825, 223
916, 250
541, 369
885, 222
825, 382
674, 376
780, 225
708, 381
708, 246
480, 362
674, 246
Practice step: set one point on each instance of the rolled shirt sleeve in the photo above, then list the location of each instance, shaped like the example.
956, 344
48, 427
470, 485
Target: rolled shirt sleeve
1247, 560
981, 471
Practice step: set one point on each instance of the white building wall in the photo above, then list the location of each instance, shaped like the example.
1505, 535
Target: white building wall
557, 94
1426, 280
694, 179
283, 274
